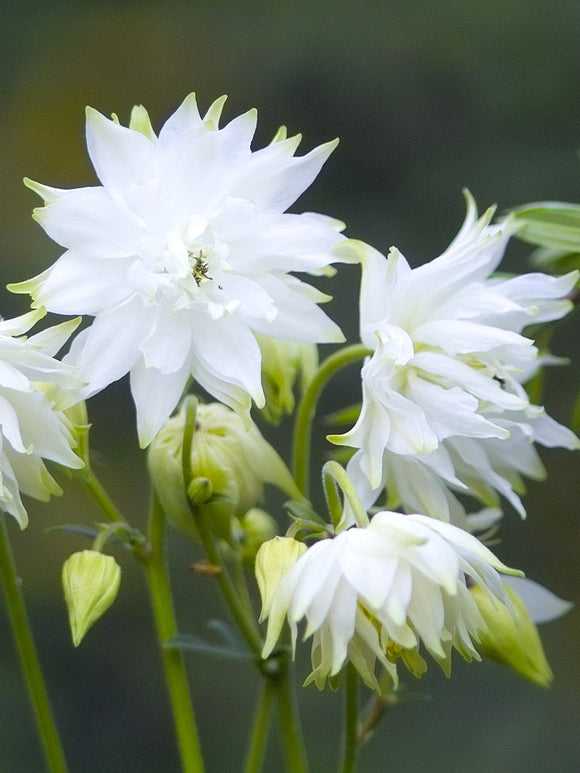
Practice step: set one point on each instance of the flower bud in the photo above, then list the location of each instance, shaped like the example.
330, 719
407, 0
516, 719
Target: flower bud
253, 529
274, 559
91, 581
512, 640
282, 363
230, 463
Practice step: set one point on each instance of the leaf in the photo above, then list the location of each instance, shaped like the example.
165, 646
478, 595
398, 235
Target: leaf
76, 528
184, 641
551, 224
299, 511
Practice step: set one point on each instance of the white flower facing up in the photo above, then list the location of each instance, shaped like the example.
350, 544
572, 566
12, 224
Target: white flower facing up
376, 593
183, 254
33, 389
443, 408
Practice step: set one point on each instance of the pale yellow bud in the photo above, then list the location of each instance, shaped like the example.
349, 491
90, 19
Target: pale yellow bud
513, 641
230, 462
274, 559
283, 363
91, 581
254, 528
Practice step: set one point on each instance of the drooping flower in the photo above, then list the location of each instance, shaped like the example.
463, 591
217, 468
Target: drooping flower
34, 390
377, 593
443, 409
182, 254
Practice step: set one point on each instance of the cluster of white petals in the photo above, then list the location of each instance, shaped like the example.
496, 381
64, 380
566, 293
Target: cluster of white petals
182, 254
377, 593
34, 388
444, 410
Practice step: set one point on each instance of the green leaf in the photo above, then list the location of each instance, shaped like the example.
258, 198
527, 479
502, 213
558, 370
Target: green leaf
76, 528
184, 641
551, 224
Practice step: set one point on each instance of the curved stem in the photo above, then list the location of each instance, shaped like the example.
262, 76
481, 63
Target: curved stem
305, 412
261, 727
350, 726
334, 471
173, 664
28, 657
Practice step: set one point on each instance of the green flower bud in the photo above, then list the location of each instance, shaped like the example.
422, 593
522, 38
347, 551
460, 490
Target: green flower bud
282, 363
91, 581
254, 528
274, 559
513, 641
230, 463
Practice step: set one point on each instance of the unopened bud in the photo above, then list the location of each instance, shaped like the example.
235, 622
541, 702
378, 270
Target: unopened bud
512, 640
274, 559
230, 463
91, 581
254, 528
283, 363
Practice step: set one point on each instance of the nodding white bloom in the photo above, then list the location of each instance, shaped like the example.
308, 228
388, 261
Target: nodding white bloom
34, 388
376, 593
183, 254
443, 406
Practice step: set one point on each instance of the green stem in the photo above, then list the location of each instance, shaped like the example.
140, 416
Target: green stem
100, 494
261, 726
305, 412
243, 617
173, 664
290, 720
333, 471
350, 726
28, 657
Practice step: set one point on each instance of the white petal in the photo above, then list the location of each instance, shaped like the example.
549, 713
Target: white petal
155, 394
89, 221
121, 157
542, 604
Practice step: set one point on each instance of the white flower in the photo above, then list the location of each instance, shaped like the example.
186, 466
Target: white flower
376, 593
443, 407
33, 388
183, 254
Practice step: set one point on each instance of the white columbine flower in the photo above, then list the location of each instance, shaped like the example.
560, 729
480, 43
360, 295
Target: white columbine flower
33, 388
376, 593
443, 407
183, 254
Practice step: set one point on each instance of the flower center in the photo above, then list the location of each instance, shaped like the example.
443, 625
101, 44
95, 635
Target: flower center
199, 266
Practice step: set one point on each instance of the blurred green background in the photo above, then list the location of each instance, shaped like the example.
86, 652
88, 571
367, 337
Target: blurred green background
426, 98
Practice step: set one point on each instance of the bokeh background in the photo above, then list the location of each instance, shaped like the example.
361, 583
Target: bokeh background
427, 98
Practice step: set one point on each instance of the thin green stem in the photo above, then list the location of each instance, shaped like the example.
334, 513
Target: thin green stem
305, 412
332, 471
100, 494
28, 657
241, 584
289, 717
261, 727
351, 717
243, 617
173, 664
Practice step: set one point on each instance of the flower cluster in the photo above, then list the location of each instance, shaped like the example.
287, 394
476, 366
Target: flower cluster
444, 411
34, 390
376, 593
183, 254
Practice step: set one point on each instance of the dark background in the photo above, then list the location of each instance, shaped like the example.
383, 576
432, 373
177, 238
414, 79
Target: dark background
426, 98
